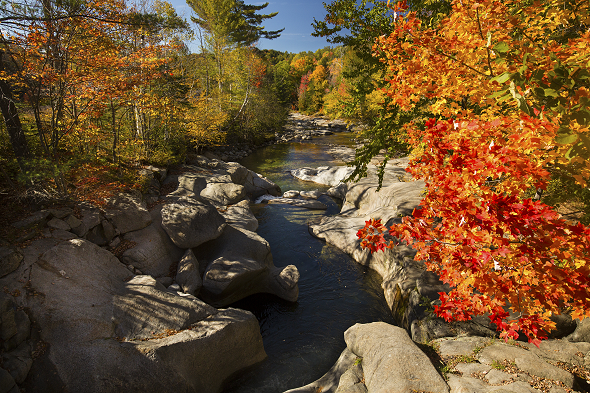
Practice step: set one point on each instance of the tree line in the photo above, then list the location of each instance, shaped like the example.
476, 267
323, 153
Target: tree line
101, 84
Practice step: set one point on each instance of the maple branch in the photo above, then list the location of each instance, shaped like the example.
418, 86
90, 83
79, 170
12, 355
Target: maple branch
487, 47
461, 62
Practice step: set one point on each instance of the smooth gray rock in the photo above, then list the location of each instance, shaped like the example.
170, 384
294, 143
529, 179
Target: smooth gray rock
165, 281
525, 360
237, 172
23, 330
7, 383
190, 223
90, 217
187, 274
557, 389
466, 384
257, 185
96, 235
57, 223
194, 183
240, 216
18, 362
239, 264
328, 383
500, 352
10, 259
224, 193
352, 380
582, 332
63, 235
38, 218
73, 221
338, 191
7, 317
315, 194
146, 307
470, 368
291, 194
109, 230
206, 355
534, 365
474, 385
180, 193
514, 387
329, 176
459, 345
61, 212
362, 203
561, 351
391, 361
497, 377
406, 284
153, 253
83, 312
126, 213
159, 173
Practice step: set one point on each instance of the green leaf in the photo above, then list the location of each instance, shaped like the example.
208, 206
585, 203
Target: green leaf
551, 93
498, 94
565, 139
582, 117
539, 92
501, 47
502, 77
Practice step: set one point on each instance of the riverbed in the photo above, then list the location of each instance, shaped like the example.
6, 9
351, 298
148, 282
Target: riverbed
304, 339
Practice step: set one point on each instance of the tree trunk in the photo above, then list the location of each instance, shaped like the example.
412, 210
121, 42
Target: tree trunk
12, 121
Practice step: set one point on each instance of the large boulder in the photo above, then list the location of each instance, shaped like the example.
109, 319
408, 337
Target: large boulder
10, 259
153, 252
90, 218
109, 332
188, 276
240, 216
127, 213
329, 176
140, 310
223, 193
239, 264
195, 183
190, 223
391, 361
258, 185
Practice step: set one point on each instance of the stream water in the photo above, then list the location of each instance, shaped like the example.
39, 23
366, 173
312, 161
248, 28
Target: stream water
304, 339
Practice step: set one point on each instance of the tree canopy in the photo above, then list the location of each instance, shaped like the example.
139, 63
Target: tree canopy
234, 19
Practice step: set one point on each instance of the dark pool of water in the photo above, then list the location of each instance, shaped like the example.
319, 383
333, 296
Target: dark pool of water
304, 339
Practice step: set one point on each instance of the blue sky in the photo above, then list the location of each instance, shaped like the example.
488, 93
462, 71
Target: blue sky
295, 16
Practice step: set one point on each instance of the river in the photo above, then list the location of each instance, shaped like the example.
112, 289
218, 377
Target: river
304, 339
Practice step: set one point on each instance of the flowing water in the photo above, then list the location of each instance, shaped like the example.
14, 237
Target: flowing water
304, 339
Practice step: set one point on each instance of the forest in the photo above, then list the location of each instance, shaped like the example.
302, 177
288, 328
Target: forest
93, 89
489, 98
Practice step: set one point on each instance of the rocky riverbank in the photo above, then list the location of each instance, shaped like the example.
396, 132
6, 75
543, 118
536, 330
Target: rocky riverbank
383, 358
298, 128
131, 295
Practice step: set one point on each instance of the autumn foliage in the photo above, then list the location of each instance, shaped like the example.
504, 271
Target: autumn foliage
507, 83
